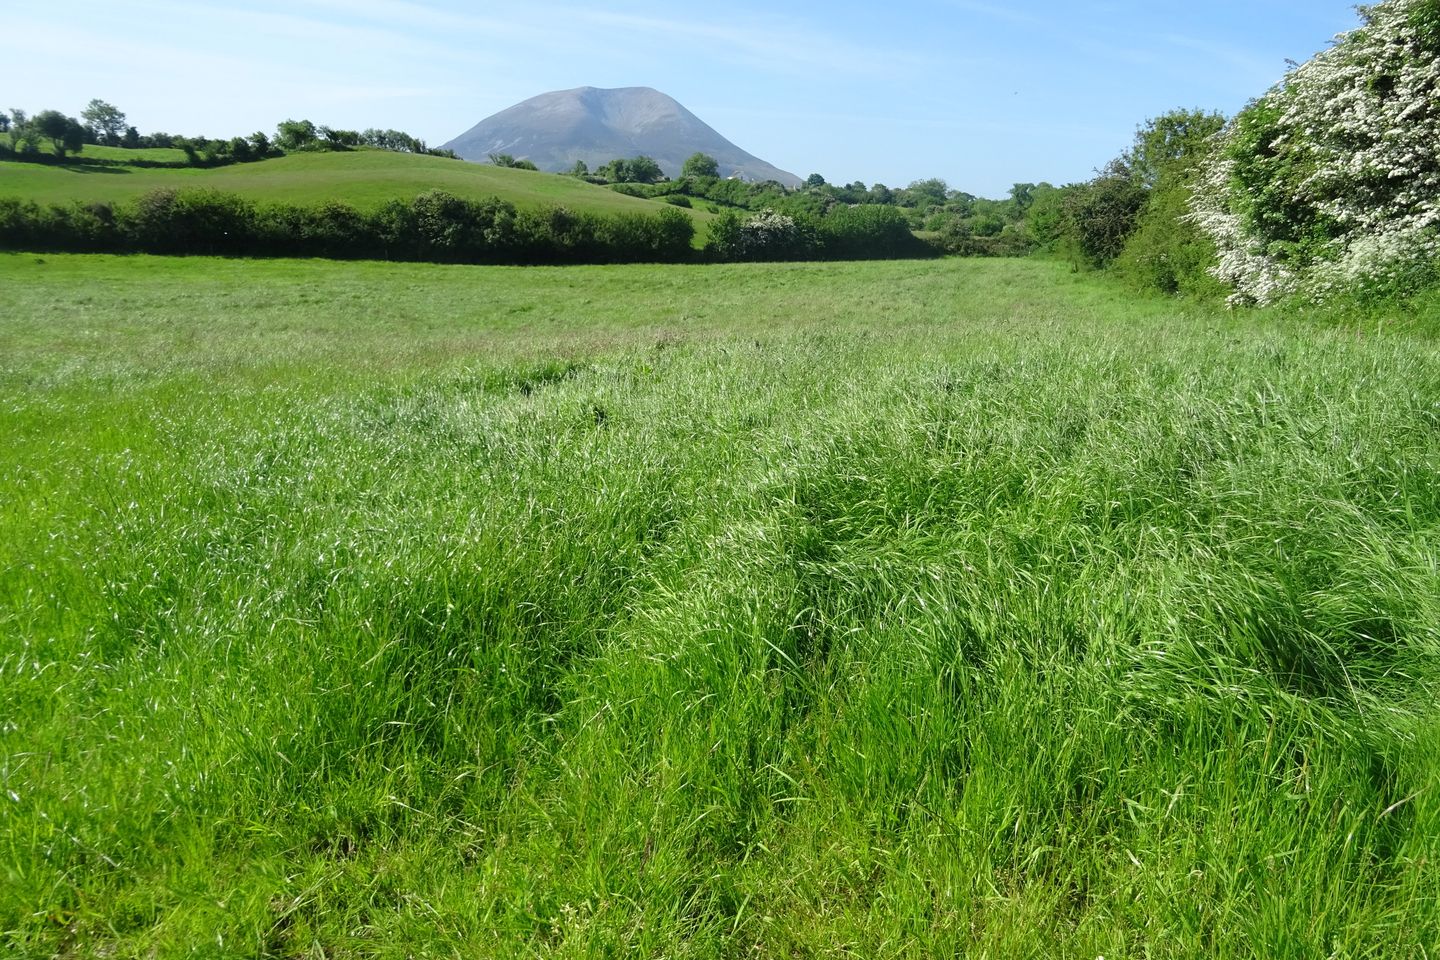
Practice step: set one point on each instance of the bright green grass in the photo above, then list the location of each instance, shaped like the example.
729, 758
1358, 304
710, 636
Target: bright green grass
957, 608
363, 178
96, 151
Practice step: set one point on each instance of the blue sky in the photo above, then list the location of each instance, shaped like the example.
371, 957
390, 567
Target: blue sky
980, 92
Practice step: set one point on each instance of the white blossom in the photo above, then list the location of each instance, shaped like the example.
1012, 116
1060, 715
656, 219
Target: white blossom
1357, 148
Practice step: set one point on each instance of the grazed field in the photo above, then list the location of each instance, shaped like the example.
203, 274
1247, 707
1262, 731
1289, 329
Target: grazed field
365, 179
875, 610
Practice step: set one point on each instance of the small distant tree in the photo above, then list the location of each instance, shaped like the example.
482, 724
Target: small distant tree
506, 160
260, 145
192, 152
645, 170
926, 193
104, 121
131, 139
700, 165
1103, 213
4, 122
295, 135
616, 171
815, 181
1022, 197
64, 133
339, 139
1171, 142
581, 169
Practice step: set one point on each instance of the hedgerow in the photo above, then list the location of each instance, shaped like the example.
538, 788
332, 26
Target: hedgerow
1330, 183
433, 227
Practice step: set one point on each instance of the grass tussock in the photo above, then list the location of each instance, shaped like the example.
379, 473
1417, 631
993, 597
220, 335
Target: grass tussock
868, 610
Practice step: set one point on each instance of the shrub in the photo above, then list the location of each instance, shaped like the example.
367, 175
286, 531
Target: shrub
191, 221
867, 232
1330, 183
1168, 252
763, 236
1101, 215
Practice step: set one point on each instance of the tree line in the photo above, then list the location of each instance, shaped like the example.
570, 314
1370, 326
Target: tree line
24, 137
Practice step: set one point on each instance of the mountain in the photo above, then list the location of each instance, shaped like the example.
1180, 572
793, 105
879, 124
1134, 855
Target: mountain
556, 129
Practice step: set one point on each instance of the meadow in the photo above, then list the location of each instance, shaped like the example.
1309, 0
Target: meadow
890, 609
365, 179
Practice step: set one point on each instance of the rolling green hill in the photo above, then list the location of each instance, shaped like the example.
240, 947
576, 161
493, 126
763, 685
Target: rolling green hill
364, 178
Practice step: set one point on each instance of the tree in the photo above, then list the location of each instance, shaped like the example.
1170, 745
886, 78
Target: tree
295, 135
339, 139
64, 133
1172, 141
1102, 214
4, 122
104, 121
131, 138
645, 170
506, 160
700, 165
616, 171
581, 169
1022, 196
815, 181
926, 193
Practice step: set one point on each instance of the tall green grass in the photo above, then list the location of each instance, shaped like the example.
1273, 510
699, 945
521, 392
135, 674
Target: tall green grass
885, 609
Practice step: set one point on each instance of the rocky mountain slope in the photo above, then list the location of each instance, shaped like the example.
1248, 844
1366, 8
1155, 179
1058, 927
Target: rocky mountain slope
556, 129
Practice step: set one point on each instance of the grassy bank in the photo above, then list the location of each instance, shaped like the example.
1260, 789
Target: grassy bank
879, 609
363, 178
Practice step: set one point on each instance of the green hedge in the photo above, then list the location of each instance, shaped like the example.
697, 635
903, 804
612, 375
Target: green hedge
435, 226
442, 228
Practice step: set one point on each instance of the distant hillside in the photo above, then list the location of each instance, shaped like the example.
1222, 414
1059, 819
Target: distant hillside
362, 178
554, 130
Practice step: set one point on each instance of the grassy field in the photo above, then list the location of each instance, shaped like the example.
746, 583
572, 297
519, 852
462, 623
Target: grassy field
960, 608
363, 178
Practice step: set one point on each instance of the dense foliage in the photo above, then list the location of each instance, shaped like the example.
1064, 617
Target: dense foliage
845, 233
440, 227
22, 137
1330, 183
435, 226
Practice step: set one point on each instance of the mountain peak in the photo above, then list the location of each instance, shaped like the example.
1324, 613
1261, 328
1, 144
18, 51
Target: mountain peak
597, 125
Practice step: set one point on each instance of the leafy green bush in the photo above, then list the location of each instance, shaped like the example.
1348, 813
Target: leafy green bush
190, 221
1168, 252
867, 232
1102, 214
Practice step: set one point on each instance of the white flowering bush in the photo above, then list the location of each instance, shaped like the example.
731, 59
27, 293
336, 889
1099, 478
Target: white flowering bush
766, 235
1331, 182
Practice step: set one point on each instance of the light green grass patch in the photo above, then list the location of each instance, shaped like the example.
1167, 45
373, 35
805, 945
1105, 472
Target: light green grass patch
363, 178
